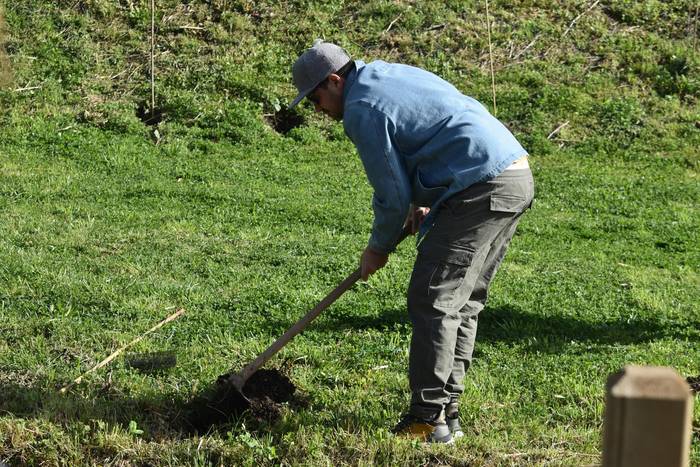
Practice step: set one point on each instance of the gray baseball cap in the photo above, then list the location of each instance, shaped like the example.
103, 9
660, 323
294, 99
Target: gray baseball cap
314, 66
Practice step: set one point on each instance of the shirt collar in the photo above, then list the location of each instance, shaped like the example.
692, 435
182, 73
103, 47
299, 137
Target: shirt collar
351, 78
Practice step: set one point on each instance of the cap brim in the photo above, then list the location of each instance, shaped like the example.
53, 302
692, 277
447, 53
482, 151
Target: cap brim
303, 94
298, 99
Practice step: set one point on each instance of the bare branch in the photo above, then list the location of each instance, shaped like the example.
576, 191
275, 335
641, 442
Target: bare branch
27, 88
527, 47
557, 130
391, 25
436, 26
571, 25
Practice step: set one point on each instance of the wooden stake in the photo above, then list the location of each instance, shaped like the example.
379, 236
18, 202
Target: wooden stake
493, 79
648, 416
153, 52
695, 39
114, 354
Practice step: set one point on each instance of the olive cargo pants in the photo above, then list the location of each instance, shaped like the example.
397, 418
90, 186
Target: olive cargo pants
456, 262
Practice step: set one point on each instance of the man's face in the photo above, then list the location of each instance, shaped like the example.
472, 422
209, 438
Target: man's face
328, 97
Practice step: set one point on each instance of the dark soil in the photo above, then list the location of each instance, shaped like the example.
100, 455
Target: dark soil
265, 391
694, 382
149, 116
284, 121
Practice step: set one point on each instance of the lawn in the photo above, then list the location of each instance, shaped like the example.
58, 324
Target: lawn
246, 215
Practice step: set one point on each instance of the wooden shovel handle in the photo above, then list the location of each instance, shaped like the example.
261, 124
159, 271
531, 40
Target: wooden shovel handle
240, 378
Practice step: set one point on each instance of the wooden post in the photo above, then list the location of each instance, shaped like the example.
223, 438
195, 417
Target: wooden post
648, 417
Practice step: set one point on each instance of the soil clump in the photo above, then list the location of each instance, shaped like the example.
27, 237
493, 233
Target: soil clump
284, 120
264, 392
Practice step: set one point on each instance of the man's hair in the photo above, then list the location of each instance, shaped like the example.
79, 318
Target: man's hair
346, 69
343, 72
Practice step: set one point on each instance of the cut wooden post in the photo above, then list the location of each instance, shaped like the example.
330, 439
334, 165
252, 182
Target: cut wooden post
648, 417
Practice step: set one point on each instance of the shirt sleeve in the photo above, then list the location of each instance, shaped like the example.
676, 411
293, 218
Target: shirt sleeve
372, 133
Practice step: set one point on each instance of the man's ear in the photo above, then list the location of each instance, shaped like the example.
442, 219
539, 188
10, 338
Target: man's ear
337, 80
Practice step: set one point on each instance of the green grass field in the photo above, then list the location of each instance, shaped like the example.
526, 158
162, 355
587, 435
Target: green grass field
108, 224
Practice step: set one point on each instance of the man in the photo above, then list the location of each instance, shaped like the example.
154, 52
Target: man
441, 164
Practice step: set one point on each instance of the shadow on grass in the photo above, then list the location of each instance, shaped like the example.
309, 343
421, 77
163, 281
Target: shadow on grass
154, 417
162, 416
542, 333
550, 333
159, 416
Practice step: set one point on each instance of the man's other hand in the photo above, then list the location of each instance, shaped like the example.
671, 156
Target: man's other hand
371, 261
415, 218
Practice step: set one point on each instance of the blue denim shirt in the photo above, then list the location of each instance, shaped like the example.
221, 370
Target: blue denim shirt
420, 141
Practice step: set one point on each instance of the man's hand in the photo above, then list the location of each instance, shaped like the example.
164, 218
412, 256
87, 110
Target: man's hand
415, 217
371, 261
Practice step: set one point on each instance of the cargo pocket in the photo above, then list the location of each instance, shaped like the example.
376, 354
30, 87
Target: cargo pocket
502, 202
445, 286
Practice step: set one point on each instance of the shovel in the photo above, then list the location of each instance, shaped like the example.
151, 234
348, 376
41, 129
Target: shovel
239, 379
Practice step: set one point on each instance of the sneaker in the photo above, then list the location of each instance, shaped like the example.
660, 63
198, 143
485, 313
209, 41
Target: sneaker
433, 430
452, 420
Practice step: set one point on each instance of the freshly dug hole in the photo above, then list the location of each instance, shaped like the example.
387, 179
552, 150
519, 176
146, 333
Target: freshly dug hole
694, 382
265, 390
149, 116
284, 121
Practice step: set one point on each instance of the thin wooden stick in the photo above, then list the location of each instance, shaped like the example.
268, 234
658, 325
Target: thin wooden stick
557, 129
114, 354
527, 47
571, 25
695, 40
493, 79
391, 25
153, 49
27, 88
436, 26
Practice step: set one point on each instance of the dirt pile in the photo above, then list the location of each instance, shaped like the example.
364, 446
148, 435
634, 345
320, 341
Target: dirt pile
264, 392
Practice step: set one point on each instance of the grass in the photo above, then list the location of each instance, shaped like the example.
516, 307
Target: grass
106, 225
